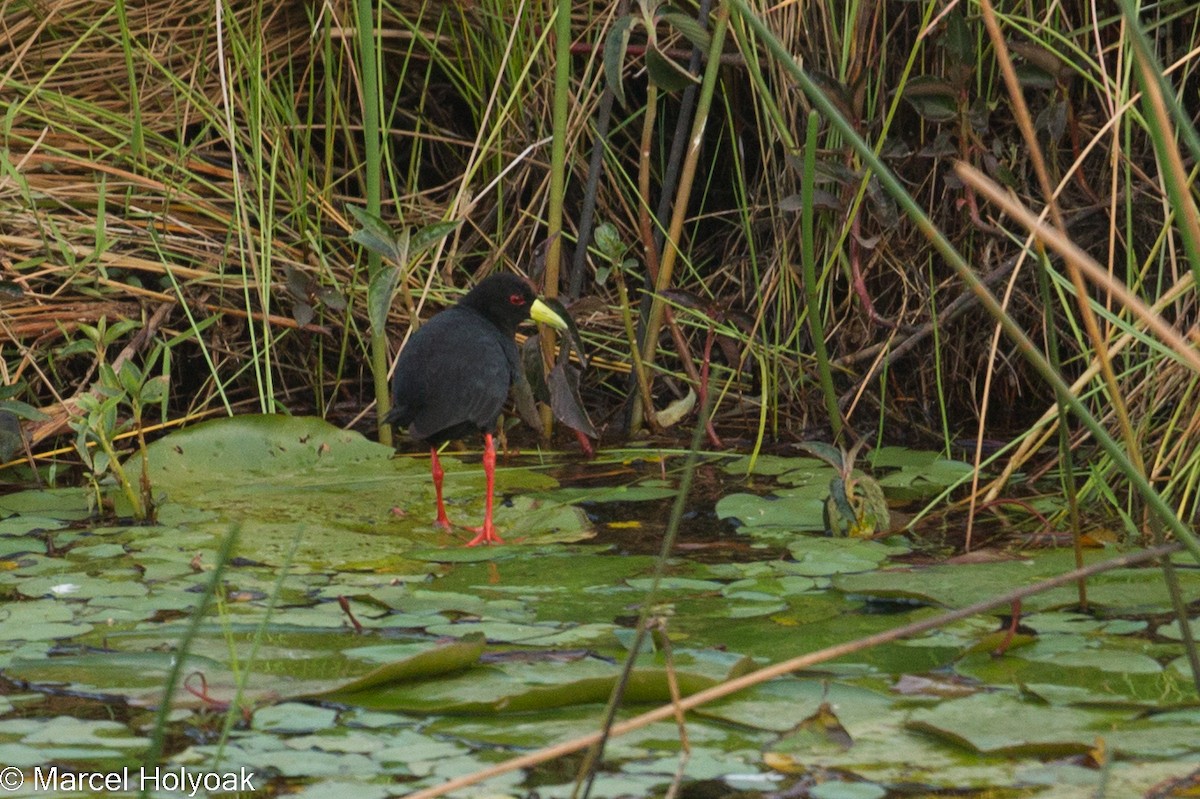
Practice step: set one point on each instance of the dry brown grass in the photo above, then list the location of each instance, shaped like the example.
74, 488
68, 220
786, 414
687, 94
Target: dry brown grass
234, 153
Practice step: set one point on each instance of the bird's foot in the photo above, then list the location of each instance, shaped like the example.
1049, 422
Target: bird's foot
484, 535
443, 521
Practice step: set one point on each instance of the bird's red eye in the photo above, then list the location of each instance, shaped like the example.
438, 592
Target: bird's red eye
516, 299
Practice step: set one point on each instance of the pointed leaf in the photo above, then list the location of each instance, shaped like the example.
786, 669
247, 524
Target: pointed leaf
566, 402
375, 235
379, 295
22, 410
154, 390
119, 329
131, 378
826, 452
572, 336
677, 410
1042, 59
1032, 76
666, 74
426, 237
688, 25
614, 56
960, 44
934, 99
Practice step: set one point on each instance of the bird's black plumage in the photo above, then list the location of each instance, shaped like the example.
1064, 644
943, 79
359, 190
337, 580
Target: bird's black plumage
455, 373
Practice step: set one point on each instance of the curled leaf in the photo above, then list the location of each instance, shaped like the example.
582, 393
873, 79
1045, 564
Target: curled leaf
677, 410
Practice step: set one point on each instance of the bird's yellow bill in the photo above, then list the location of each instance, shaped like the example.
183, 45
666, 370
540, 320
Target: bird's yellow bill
541, 312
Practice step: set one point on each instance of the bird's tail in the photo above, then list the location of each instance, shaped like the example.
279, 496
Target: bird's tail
394, 416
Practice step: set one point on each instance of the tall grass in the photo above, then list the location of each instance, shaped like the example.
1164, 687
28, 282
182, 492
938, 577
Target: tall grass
157, 156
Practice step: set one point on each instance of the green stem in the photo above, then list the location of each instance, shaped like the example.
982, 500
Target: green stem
558, 170
988, 300
139, 510
654, 320
649, 604
154, 753
372, 173
812, 289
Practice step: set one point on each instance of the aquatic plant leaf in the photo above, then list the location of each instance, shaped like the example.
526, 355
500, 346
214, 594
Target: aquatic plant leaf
67, 504
329, 496
796, 513
997, 723
294, 717
520, 687
602, 494
821, 557
957, 585
128, 674
435, 662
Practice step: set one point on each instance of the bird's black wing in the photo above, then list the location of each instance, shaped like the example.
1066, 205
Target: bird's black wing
452, 378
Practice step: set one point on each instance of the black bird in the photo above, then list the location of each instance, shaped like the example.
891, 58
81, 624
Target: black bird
454, 375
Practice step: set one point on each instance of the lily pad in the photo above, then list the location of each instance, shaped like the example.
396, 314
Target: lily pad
324, 497
796, 512
515, 687
422, 664
997, 723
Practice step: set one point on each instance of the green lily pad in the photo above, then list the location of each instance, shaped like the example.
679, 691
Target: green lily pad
40, 620
140, 674
523, 686
818, 557
294, 717
21, 525
62, 504
997, 723
801, 511
422, 664
324, 497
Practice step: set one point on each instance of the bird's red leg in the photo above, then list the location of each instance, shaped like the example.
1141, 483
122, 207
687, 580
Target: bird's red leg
487, 533
435, 469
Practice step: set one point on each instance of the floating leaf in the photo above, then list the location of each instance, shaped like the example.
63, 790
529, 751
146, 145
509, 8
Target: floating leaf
439, 661
997, 723
521, 687
797, 513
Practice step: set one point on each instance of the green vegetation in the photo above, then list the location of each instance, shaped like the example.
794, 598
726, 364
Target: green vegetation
215, 195
208, 181
335, 644
964, 234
